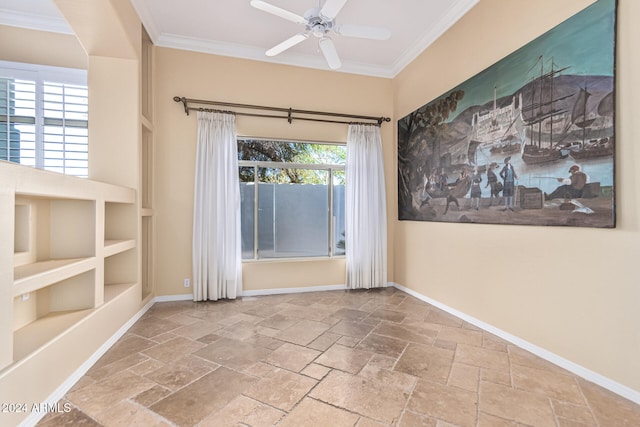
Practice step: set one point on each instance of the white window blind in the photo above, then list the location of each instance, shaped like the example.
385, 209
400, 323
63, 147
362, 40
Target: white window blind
44, 117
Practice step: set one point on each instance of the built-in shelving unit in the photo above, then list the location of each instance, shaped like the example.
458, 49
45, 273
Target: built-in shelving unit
74, 249
146, 166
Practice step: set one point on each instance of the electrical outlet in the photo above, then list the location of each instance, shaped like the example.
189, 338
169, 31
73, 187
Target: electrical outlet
25, 297
187, 283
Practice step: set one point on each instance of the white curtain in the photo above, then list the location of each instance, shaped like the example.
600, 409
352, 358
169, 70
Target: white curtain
217, 258
365, 209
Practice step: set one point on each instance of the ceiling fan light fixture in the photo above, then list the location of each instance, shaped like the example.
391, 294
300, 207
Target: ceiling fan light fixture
318, 30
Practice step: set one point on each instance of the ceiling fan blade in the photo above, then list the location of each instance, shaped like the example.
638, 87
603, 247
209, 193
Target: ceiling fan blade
330, 53
275, 10
374, 33
288, 43
331, 9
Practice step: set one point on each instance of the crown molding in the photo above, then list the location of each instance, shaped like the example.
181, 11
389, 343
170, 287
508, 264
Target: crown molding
33, 21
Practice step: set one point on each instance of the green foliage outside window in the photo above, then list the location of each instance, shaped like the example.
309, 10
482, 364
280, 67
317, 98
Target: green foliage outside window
290, 152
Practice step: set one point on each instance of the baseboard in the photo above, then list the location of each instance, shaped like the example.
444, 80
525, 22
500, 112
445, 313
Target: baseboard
275, 291
62, 390
261, 292
169, 298
587, 374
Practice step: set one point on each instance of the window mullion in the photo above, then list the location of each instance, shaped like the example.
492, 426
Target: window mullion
331, 233
64, 129
39, 119
255, 212
7, 88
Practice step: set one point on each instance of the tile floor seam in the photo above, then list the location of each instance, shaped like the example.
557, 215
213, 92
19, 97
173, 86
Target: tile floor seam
587, 403
289, 370
552, 399
453, 360
511, 380
479, 411
553, 407
185, 385
553, 411
332, 405
346, 372
366, 336
145, 409
393, 368
260, 402
479, 379
138, 364
413, 387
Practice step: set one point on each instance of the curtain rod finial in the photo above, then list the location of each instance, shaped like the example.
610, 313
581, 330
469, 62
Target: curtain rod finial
184, 102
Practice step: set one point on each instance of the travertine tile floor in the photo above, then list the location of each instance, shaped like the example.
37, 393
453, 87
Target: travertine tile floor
344, 358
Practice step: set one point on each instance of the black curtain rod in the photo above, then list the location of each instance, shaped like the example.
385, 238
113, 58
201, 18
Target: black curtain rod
290, 112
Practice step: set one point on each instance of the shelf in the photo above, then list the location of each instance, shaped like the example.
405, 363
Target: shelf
39, 332
38, 275
27, 181
146, 212
114, 290
113, 247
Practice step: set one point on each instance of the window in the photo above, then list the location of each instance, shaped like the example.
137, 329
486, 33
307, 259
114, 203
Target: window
292, 198
44, 117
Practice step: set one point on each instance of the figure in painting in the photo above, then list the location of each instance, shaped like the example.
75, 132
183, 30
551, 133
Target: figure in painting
509, 176
492, 182
443, 180
476, 191
571, 187
458, 189
424, 191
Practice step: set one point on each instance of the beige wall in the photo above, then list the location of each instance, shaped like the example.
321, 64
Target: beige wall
201, 76
58, 50
571, 291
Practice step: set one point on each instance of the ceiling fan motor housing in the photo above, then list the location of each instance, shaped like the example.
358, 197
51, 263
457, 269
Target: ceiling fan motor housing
316, 24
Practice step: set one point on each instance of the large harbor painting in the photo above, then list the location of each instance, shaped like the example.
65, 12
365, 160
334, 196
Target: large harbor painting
530, 140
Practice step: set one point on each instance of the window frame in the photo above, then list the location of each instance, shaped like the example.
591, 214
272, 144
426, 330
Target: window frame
329, 167
42, 76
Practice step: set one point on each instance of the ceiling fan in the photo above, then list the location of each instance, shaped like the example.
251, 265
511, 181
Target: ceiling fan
319, 22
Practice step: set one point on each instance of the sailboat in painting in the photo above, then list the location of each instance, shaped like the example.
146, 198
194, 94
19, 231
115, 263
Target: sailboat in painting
596, 147
543, 117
